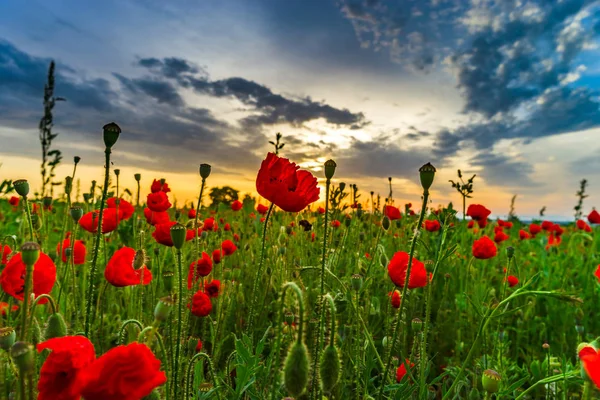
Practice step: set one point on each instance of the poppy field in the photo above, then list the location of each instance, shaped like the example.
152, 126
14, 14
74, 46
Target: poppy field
305, 290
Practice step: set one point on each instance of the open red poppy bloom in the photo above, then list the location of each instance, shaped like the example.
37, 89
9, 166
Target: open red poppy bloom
582, 225
60, 375
159, 187
500, 236
125, 208
478, 212
484, 248
212, 288
228, 247
335, 223
162, 233
78, 250
14, 201
123, 373
227, 227
547, 225
12, 278
209, 224
110, 220
553, 240
158, 201
512, 280
523, 234
262, 209
393, 213
597, 274
534, 229
280, 182
236, 205
203, 266
155, 218
398, 267
121, 268
4, 253
590, 358
401, 371
201, 305
594, 217
216, 256
557, 229
321, 210
432, 226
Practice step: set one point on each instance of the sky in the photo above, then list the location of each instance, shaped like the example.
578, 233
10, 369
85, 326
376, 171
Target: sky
504, 89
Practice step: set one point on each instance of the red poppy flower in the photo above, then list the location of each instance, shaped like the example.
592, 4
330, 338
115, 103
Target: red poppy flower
227, 227
125, 208
191, 213
393, 213
280, 182
597, 274
12, 277
123, 373
236, 205
312, 237
110, 220
14, 201
212, 288
79, 251
582, 225
321, 210
500, 236
512, 280
158, 187
262, 209
61, 373
484, 248
236, 237
335, 223
478, 212
534, 229
432, 226
228, 247
156, 218
4, 308
470, 224
203, 267
395, 298
162, 233
201, 305
553, 240
547, 225
590, 358
401, 371
508, 225
524, 234
4, 253
209, 225
594, 217
158, 201
367, 256
199, 346
557, 230
216, 256
120, 270
398, 267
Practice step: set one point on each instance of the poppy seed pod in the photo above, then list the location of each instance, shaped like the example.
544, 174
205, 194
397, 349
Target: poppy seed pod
47, 201
168, 280
417, 325
330, 368
178, 234
111, 134
295, 371
342, 186
30, 253
137, 177
357, 282
163, 308
427, 173
76, 213
510, 252
55, 326
330, 166
205, 170
21, 187
7, 338
490, 381
22, 355
76, 159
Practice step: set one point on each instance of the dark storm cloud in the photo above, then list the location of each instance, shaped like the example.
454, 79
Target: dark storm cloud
504, 171
171, 67
162, 91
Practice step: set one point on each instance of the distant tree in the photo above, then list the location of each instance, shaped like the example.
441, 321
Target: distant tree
225, 195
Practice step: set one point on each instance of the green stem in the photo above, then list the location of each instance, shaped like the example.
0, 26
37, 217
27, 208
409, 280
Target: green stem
25, 307
190, 368
179, 323
28, 212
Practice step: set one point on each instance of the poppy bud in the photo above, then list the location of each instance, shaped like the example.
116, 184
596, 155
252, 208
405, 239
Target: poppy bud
30, 253
330, 169
417, 325
490, 381
385, 224
7, 338
21, 187
295, 370
427, 173
47, 201
168, 280
205, 170
76, 159
111, 133
329, 368
22, 355
357, 282
137, 177
163, 308
55, 327
178, 233
510, 252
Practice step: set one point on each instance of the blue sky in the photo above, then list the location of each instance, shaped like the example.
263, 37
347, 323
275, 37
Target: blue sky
507, 89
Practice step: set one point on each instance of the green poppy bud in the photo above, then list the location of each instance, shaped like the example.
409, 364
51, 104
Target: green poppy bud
178, 234
23, 357
55, 327
21, 187
330, 166
491, 381
330, 368
30, 253
7, 338
296, 368
427, 173
111, 134
205, 170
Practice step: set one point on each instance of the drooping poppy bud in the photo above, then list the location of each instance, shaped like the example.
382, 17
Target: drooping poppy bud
296, 368
330, 368
55, 326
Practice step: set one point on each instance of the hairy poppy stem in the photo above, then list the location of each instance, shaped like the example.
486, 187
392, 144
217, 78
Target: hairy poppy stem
29, 222
26, 295
413, 246
179, 323
258, 273
92, 277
